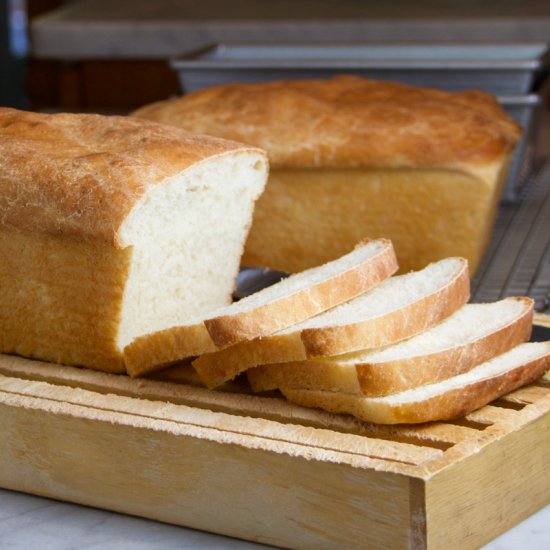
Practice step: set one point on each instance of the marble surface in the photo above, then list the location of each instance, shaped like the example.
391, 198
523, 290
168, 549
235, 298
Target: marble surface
29, 522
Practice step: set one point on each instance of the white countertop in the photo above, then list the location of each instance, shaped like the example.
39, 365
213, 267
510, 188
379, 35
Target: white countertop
29, 522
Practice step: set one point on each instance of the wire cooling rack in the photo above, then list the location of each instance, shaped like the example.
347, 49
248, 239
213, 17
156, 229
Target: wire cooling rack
518, 259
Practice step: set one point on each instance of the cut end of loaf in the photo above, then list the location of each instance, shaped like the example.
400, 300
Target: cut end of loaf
187, 236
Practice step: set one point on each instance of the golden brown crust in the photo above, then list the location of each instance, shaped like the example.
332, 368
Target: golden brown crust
61, 299
80, 175
461, 401
307, 217
221, 366
349, 122
155, 351
447, 405
288, 310
313, 374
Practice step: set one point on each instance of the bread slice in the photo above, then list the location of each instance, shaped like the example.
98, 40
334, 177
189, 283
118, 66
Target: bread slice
274, 308
398, 308
443, 400
472, 335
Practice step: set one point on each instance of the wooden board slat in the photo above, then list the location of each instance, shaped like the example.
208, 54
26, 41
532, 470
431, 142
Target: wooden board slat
278, 409
313, 440
527, 394
492, 415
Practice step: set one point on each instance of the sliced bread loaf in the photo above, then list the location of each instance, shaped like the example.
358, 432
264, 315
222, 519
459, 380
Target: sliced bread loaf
472, 335
274, 308
444, 400
397, 309
112, 227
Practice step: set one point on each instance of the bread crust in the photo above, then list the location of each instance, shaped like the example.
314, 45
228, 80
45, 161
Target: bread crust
306, 217
221, 366
288, 310
61, 299
79, 175
387, 377
348, 121
444, 406
396, 376
155, 351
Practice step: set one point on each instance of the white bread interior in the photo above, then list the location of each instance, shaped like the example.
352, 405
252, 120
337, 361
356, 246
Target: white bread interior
187, 237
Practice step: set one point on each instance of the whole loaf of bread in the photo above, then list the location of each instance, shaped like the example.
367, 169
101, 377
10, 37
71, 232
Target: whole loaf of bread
353, 158
113, 227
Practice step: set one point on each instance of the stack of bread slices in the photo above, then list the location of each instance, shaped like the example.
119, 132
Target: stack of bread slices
352, 337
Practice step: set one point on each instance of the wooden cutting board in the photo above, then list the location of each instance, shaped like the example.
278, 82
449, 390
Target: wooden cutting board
266, 470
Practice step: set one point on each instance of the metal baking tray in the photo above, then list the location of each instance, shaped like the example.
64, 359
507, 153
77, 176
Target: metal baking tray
502, 69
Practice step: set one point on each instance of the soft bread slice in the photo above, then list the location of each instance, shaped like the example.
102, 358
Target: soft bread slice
443, 400
472, 335
398, 308
304, 294
274, 308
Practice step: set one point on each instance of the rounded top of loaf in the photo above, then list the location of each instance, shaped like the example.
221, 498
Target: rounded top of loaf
347, 121
80, 175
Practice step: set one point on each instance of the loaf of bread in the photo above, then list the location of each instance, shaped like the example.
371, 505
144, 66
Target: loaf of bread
354, 158
112, 227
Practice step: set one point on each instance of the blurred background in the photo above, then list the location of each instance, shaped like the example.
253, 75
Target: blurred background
112, 55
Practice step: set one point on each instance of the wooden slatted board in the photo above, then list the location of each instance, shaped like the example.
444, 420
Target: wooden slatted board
263, 469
